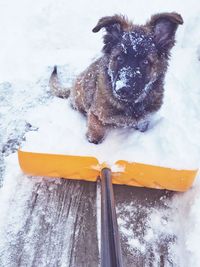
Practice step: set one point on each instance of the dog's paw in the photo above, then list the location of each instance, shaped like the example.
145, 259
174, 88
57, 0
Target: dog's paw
95, 140
143, 126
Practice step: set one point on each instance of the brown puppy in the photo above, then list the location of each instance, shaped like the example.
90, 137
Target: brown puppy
124, 86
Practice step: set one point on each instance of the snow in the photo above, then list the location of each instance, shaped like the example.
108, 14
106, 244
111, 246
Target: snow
124, 73
120, 84
35, 37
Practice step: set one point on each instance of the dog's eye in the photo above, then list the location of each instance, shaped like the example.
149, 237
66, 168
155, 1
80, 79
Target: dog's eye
145, 62
120, 59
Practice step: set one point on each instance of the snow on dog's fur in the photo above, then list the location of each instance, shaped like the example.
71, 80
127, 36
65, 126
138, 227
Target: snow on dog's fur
124, 86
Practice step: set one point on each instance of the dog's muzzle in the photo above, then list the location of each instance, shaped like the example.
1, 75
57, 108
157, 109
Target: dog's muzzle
128, 82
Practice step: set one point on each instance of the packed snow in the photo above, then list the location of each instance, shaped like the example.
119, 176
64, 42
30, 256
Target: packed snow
36, 36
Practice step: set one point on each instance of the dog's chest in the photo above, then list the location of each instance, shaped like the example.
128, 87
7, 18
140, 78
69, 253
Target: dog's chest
124, 117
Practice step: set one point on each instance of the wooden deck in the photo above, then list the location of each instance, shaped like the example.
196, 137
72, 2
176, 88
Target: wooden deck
59, 227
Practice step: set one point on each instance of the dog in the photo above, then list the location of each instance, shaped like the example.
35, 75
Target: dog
125, 86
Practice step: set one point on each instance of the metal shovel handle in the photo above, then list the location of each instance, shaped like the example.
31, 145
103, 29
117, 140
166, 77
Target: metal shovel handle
110, 242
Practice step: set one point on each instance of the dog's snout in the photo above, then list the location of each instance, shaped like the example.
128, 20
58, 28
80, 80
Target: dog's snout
124, 92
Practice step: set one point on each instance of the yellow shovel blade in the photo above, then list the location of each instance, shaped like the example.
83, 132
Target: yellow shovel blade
88, 168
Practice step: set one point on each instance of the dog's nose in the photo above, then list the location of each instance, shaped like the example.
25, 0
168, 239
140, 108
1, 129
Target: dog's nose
124, 92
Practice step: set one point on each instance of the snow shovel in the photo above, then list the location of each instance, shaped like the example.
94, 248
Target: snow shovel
88, 168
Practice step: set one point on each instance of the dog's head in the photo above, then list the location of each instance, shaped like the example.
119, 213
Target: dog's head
137, 55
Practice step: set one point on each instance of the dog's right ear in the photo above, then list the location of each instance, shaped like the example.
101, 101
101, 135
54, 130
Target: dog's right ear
114, 26
117, 22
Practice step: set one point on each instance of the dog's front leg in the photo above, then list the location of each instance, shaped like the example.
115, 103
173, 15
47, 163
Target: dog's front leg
96, 130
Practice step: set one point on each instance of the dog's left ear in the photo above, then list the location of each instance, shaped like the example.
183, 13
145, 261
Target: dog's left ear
164, 27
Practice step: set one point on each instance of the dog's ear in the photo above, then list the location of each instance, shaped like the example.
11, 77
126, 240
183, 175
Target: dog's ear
117, 22
164, 27
114, 26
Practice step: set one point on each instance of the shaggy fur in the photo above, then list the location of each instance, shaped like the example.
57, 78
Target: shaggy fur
124, 86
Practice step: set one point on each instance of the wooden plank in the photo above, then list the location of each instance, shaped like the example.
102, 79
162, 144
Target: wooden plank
58, 227
134, 209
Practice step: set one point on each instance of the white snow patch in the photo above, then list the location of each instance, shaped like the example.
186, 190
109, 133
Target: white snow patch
120, 84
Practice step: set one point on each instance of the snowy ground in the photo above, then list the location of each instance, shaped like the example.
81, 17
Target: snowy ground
33, 38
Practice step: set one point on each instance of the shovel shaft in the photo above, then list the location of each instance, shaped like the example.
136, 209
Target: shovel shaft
110, 241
